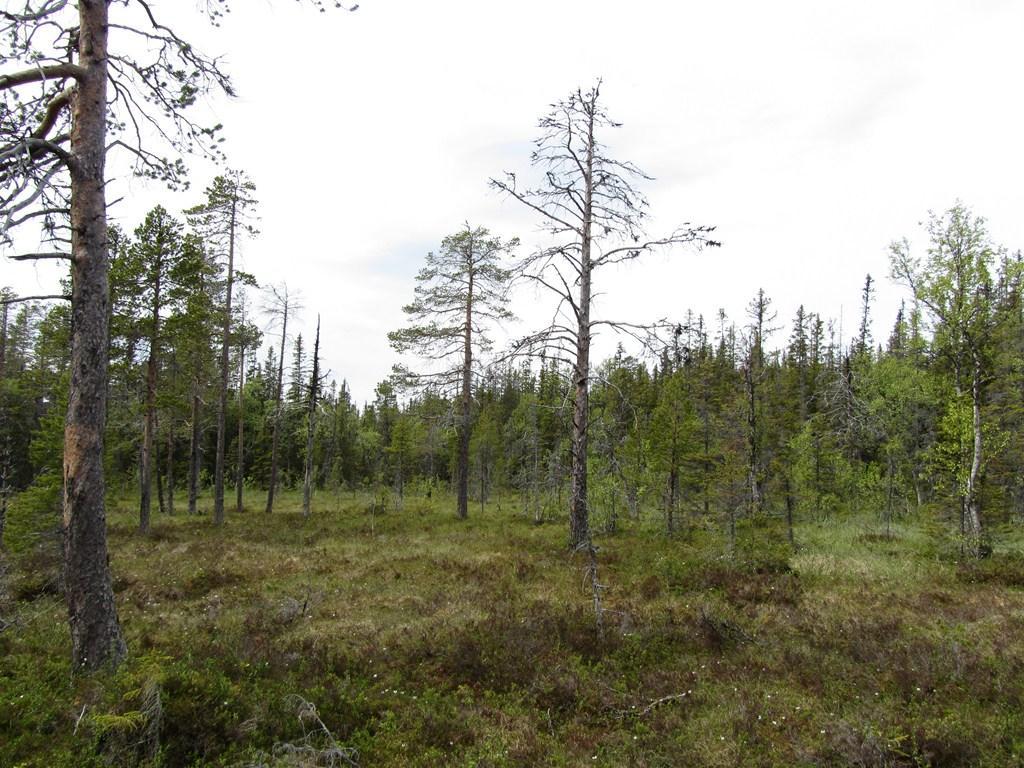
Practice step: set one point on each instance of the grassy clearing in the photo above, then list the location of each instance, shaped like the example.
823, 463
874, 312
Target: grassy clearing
424, 641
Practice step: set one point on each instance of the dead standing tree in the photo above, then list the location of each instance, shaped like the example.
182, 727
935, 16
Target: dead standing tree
314, 390
66, 99
247, 337
589, 205
282, 304
462, 287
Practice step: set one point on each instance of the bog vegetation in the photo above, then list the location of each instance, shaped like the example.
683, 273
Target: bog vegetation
726, 544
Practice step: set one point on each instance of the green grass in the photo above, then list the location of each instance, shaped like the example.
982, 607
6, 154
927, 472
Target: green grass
425, 641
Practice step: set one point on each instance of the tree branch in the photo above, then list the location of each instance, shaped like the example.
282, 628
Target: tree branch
18, 299
41, 256
40, 75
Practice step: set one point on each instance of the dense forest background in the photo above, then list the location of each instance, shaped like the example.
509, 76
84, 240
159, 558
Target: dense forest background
726, 419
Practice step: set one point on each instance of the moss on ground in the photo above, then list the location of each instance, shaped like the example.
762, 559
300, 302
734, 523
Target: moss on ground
419, 640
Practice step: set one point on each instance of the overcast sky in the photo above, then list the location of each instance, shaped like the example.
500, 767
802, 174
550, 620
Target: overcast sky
810, 133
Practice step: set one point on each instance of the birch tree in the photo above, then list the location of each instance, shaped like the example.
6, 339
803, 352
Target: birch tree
954, 283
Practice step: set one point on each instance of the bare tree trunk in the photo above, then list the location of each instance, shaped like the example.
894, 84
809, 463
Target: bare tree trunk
159, 481
327, 469
194, 452
5, 488
752, 468
149, 422
579, 522
3, 339
170, 467
579, 515
277, 414
307, 488
222, 402
973, 507
462, 471
240, 468
96, 638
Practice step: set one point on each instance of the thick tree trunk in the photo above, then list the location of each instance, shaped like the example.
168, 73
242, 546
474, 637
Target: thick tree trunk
307, 487
462, 471
96, 638
277, 415
222, 402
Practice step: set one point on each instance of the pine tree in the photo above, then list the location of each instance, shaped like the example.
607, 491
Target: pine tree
222, 219
462, 290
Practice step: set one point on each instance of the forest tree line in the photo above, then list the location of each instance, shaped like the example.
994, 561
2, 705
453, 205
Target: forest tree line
728, 419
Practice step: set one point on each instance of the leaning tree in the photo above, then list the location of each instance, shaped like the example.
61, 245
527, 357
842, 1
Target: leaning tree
67, 98
590, 206
462, 288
